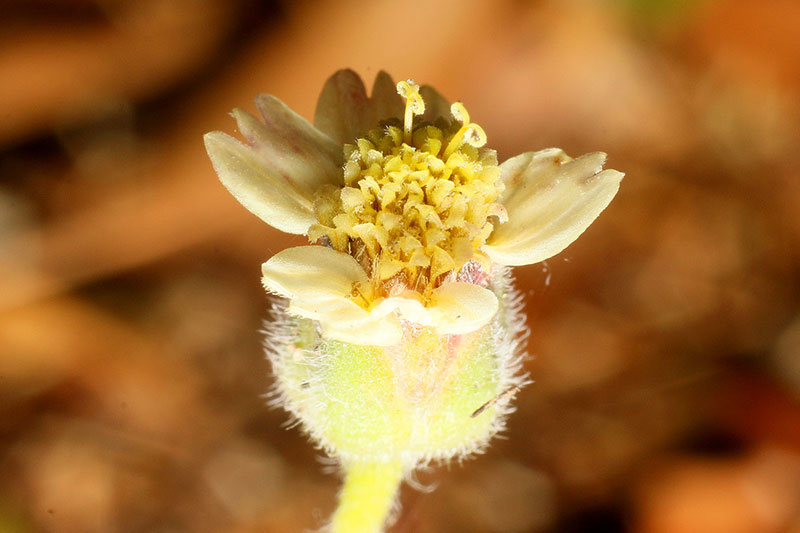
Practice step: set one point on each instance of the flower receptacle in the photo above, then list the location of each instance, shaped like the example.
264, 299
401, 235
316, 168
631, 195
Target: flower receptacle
412, 402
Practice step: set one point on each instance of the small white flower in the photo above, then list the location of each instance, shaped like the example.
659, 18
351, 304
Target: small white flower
409, 216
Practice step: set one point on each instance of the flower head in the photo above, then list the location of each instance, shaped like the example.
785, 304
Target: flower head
407, 210
402, 337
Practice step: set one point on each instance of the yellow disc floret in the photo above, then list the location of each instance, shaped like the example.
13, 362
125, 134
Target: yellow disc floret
416, 201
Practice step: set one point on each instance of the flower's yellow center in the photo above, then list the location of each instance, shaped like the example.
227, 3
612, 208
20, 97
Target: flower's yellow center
416, 200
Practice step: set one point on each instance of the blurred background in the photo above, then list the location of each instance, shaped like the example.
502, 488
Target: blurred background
665, 343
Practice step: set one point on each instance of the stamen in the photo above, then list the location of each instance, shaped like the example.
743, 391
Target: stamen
469, 133
475, 136
415, 105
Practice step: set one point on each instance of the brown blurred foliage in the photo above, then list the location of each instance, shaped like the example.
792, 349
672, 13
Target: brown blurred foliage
666, 341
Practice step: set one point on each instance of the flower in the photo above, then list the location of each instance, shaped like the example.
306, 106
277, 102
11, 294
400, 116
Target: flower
402, 339
409, 214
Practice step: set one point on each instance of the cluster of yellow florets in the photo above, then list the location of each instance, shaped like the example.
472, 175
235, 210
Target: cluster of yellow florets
415, 202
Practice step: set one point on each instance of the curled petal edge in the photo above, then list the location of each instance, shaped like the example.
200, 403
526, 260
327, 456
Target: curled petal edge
551, 200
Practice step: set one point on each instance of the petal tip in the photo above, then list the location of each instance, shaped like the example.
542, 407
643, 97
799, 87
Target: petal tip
211, 139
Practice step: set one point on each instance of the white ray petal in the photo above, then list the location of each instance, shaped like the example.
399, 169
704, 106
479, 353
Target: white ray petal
318, 282
312, 270
289, 144
409, 306
384, 100
550, 199
272, 197
343, 107
436, 105
372, 330
461, 307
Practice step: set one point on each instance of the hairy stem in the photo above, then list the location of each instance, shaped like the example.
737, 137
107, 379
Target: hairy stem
367, 497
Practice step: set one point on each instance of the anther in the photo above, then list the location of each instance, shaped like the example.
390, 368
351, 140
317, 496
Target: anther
415, 105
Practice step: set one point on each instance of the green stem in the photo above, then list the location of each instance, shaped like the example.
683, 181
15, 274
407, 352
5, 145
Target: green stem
367, 497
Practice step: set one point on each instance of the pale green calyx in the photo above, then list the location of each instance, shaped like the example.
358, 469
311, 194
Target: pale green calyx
410, 403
